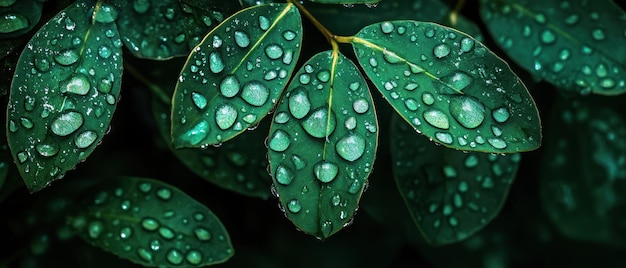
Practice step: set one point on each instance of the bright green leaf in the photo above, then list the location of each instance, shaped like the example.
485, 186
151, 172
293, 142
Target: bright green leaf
151, 223
235, 76
449, 86
161, 29
239, 165
17, 17
322, 144
575, 45
64, 93
450, 194
583, 171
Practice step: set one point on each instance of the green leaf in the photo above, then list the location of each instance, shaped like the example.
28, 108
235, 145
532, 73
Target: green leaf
449, 86
64, 92
575, 45
235, 76
322, 144
151, 223
18, 17
239, 165
162, 29
583, 171
450, 194
346, 2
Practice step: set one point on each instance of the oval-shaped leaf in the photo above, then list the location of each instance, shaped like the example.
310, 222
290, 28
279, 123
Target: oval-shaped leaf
162, 29
151, 223
64, 92
575, 45
322, 144
18, 17
582, 175
449, 86
235, 76
450, 194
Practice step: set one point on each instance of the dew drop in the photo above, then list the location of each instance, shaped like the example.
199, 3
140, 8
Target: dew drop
225, 116
164, 194
386, 27
78, 84
284, 175
444, 137
325, 171
280, 141
166, 233
11, 22
351, 147
85, 139
441, 50
467, 44
229, 87
144, 254
468, 111
126, 232
67, 123
95, 229
150, 224
323, 76
199, 100
294, 206
43, 65
264, 23
255, 93
198, 133
289, 35
105, 14
105, 51
500, 114
360, 106
45, 149
299, 105
458, 81
436, 118
273, 51
548, 37
242, 39
428, 98
411, 104
598, 34
194, 257
174, 257
216, 65
67, 57
319, 124
202, 234
497, 143
327, 228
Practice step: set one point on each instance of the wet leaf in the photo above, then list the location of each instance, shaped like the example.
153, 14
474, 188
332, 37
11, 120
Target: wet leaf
449, 87
151, 223
64, 92
162, 29
322, 144
582, 175
575, 45
18, 17
239, 165
346, 2
450, 194
235, 76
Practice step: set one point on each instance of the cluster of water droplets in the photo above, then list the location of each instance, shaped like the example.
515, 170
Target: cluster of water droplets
164, 235
14, 20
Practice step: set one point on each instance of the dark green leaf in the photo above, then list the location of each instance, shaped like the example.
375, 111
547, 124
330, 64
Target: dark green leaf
17, 17
64, 92
239, 165
583, 171
575, 45
151, 223
450, 194
322, 144
235, 76
449, 86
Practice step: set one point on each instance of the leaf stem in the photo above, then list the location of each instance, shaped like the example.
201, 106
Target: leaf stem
454, 14
329, 36
156, 90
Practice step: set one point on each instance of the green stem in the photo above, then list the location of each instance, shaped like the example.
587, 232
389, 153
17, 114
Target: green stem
454, 14
156, 90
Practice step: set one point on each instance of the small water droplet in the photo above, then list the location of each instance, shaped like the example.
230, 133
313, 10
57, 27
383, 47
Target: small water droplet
199, 100
436, 118
351, 147
289, 35
325, 171
126, 232
441, 50
229, 87
216, 64
360, 106
471, 161
164, 194
12, 22
242, 39
598, 34
467, 44
196, 134
386, 27
500, 114
274, 51
85, 139
497, 143
166, 233
264, 23
548, 36
327, 228
444, 137
67, 123
95, 229
294, 206
144, 254
280, 141
468, 111
45, 149
458, 81
284, 175
194, 257
299, 104
428, 98
225, 116
105, 14
150, 224
202, 234
67, 57
174, 257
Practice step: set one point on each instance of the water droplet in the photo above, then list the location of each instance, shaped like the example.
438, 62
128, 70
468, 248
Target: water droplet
281, 118
360, 106
273, 51
444, 137
105, 51
548, 36
202, 234
298, 162
199, 100
497, 143
164, 194
441, 50
174, 257
386, 27
320, 123
284, 175
11, 22
27, 123
323, 76
500, 114
216, 64
458, 81
198, 133
373, 62
351, 147
78, 84
598, 34
264, 23
428, 98
166, 233
105, 14
150, 224
85, 139
155, 245
299, 105
436, 118
289, 35
294, 206
45, 149
471, 161
411, 104
255, 93
144, 254
229, 87
242, 39
571, 19
280, 141
225, 116
95, 229
467, 44
126, 232
67, 123
327, 228
67, 57
194, 257
43, 65
468, 111
325, 171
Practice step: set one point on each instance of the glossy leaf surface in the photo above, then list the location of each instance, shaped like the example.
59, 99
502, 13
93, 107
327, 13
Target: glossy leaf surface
64, 92
583, 171
235, 76
161, 29
449, 86
575, 45
346, 2
17, 17
151, 223
322, 144
239, 165
450, 194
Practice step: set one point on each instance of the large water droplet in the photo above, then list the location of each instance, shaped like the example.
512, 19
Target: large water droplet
166, 233
85, 139
320, 123
45, 149
202, 234
78, 84
360, 106
294, 206
174, 257
467, 44
229, 87
242, 39
150, 224
351, 147
225, 116
436, 118
67, 57
299, 105
255, 93
441, 50
194, 257
216, 64
500, 114
325, 171
280, 141
67, 123
468, 111
497, 143
12, 22
458, 81
386, 27
264, 23
284, 175
274, 51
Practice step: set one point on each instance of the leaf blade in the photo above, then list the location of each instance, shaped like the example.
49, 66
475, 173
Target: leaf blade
449, 86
